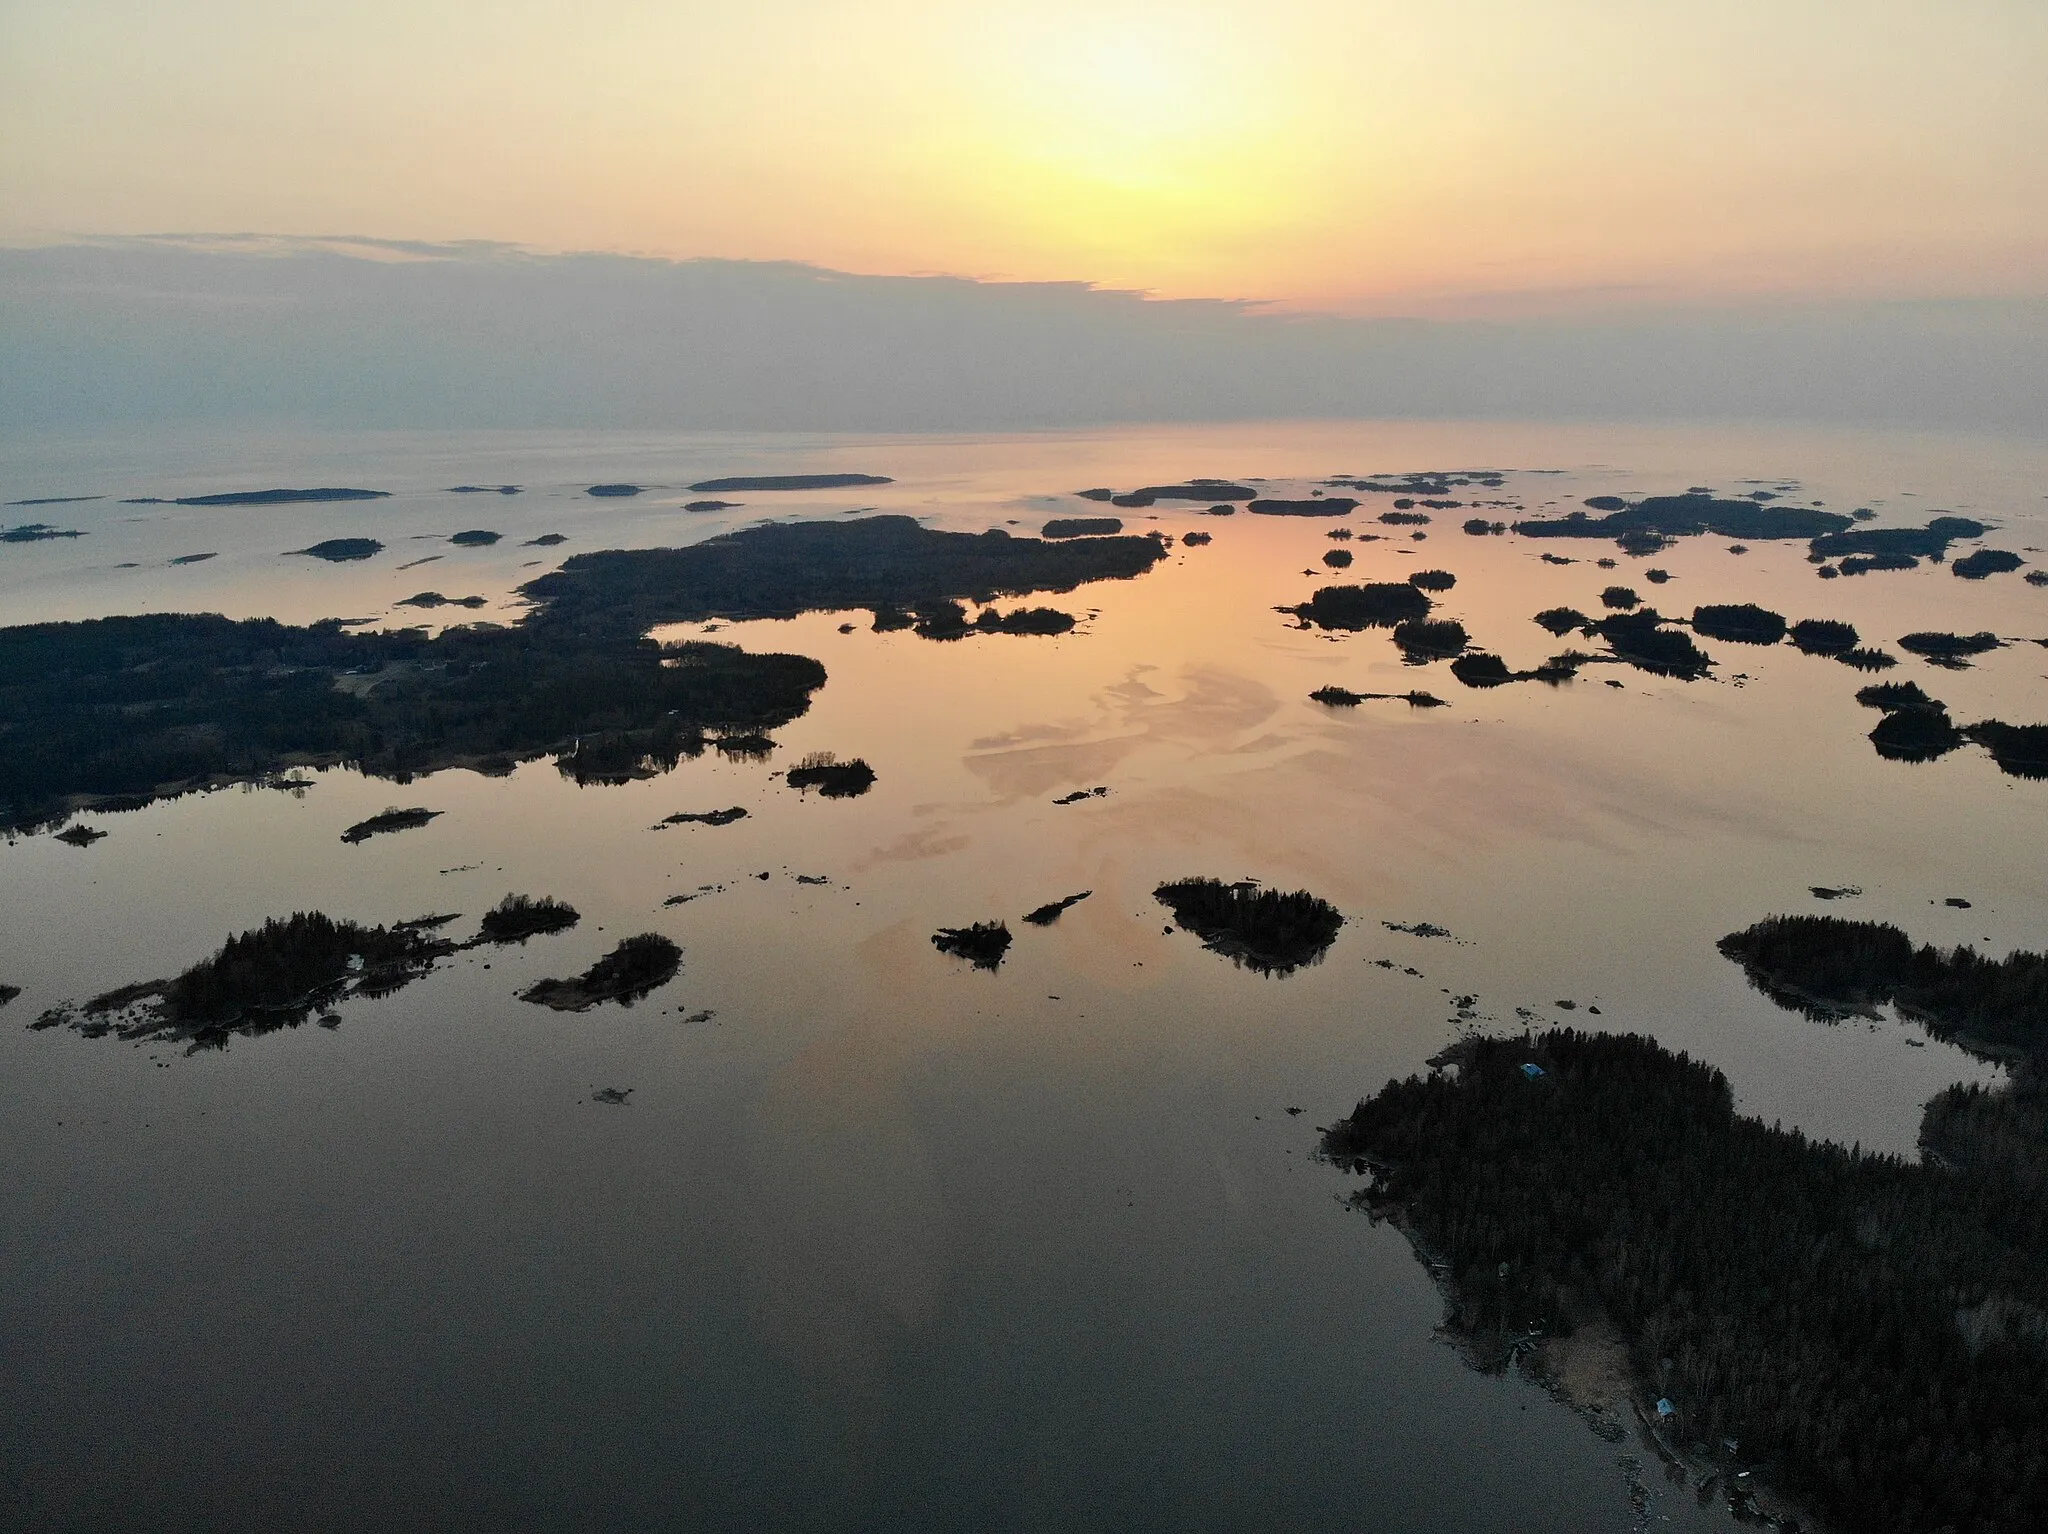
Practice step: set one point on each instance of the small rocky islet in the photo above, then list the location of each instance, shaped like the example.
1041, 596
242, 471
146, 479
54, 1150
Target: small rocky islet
632, 970
1264, 930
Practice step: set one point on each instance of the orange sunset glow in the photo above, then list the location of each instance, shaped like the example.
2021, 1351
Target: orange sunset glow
1363, 157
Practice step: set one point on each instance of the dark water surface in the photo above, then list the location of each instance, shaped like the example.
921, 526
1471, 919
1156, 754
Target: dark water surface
888, 1242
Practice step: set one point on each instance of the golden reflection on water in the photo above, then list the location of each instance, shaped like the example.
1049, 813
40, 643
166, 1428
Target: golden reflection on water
920, 1186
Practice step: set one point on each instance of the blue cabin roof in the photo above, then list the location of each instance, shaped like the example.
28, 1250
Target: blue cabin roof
1532, 1070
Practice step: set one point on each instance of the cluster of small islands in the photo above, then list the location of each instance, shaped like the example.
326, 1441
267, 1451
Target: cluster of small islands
1863, 1335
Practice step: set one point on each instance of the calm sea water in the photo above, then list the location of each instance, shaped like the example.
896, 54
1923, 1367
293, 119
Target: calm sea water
886, 1242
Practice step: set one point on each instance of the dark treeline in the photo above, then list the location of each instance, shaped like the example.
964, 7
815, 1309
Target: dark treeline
116, 711
1258, 929
274, 976
1875, 1333
1974, 567
832, 778
778, 571
635, 967
1740, 623
1082, 527
120, 710
1931, 541
519, 917
1824, 636
2019, 749
1682, 515
1827, 967
984, 943
1427, 639
1641, 639
1375, 605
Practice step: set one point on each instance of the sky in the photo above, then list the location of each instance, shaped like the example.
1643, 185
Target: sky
1428, 157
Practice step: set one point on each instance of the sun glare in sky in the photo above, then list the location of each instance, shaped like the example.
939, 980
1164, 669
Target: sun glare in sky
1350, 154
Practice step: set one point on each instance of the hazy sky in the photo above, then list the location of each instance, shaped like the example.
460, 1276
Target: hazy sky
1367, 155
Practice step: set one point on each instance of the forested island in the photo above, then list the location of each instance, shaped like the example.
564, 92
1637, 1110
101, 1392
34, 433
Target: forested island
1871, 1332
1677, 516
879, 563
114, 712
625, 975
981, 943
283, 972
1267, 931
274, 976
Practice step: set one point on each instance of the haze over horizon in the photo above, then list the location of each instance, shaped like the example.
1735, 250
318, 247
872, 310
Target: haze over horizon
1470, 158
